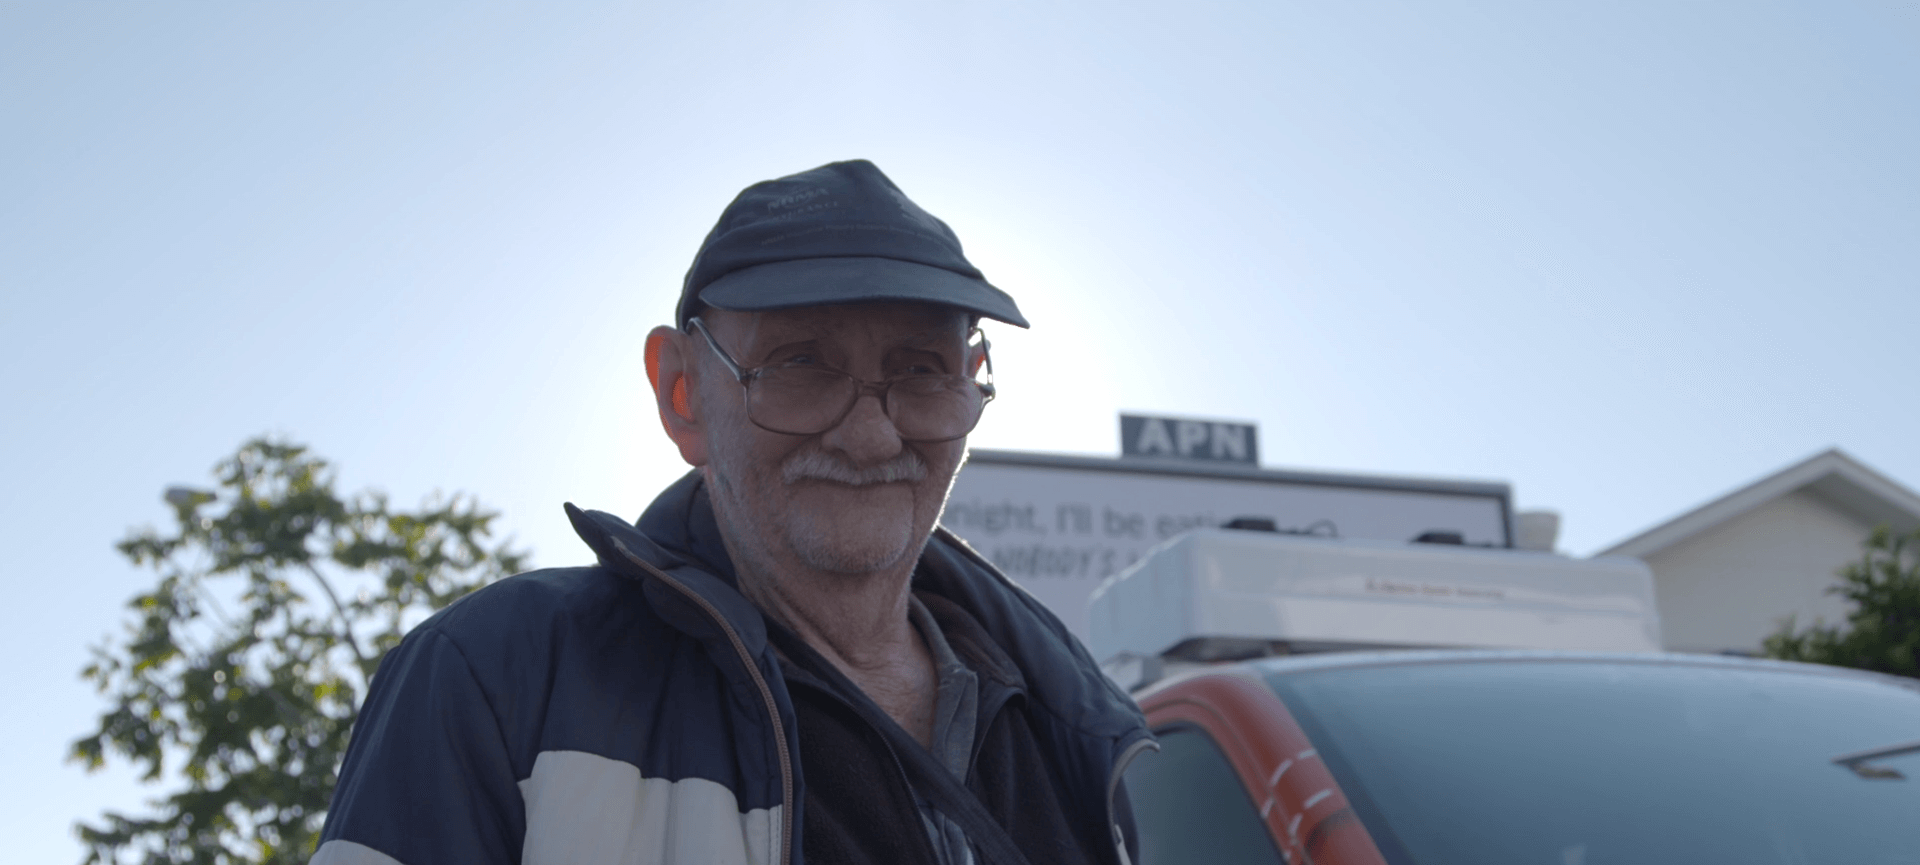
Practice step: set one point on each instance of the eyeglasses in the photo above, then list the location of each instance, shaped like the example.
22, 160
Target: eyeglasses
801, 399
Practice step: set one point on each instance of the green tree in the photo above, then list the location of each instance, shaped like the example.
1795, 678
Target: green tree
1882, 632
244, 666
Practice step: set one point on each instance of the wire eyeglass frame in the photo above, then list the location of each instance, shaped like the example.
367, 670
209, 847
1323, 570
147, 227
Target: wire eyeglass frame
883, 389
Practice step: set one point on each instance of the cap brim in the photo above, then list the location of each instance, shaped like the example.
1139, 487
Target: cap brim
816, 281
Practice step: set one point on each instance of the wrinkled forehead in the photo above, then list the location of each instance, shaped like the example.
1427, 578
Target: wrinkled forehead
878, 323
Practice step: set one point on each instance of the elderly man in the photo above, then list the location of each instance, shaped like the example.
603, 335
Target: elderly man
784, 660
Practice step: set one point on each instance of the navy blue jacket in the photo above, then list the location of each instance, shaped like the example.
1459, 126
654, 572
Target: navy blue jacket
634, 711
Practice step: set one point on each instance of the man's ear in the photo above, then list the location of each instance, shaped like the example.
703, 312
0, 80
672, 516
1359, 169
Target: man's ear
667, 362
976, 355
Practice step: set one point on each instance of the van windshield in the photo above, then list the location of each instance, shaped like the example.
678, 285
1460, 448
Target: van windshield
1609, 763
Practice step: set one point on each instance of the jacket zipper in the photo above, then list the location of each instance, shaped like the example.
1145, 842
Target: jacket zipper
1145, 743
766, 695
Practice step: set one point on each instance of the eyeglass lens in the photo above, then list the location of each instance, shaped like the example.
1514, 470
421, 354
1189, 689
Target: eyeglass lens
805, 401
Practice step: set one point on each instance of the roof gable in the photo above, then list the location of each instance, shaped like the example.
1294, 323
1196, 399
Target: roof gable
1831, 474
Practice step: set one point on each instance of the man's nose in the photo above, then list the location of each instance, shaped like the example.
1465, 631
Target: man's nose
866, 434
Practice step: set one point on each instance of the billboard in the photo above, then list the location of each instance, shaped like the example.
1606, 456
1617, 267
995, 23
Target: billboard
1058, 525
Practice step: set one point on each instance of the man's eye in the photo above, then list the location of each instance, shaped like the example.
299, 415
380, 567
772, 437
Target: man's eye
917, 369
801, 359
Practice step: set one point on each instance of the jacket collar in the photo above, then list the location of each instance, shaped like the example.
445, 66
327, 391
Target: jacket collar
1060, 675
681, 521
679, 534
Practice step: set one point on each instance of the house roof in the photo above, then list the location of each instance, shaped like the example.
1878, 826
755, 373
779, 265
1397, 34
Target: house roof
1833, 475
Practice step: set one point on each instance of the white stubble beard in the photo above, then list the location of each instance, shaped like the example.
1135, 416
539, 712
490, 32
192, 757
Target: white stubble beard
879, 534
879, 537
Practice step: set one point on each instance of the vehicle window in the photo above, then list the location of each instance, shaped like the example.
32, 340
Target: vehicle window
1591, 763
1189, 806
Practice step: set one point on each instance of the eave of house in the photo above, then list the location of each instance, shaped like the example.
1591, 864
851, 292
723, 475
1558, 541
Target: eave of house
1832, 475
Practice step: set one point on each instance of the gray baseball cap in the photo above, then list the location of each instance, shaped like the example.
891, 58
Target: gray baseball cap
837, 234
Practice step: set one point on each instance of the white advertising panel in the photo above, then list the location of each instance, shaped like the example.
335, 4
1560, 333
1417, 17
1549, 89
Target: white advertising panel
1058, 525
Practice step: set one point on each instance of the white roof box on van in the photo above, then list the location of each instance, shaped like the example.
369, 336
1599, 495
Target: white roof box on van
1224, 593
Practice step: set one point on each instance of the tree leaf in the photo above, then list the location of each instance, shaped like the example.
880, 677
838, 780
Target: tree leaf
1882, 632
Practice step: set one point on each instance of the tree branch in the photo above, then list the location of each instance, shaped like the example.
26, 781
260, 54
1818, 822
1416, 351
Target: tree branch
346, 622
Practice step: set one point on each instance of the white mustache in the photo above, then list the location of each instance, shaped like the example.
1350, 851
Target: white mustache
820, 465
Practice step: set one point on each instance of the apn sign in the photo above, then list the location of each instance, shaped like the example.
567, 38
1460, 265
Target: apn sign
1183, 438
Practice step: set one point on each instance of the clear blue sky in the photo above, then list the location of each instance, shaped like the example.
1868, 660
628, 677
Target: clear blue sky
1625, 256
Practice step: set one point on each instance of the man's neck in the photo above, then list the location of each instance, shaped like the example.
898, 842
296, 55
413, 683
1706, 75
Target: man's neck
860, 624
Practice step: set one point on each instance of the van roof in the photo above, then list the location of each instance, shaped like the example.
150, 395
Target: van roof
1223, 591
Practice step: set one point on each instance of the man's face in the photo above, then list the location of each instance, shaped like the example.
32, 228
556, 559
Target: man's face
855, 498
